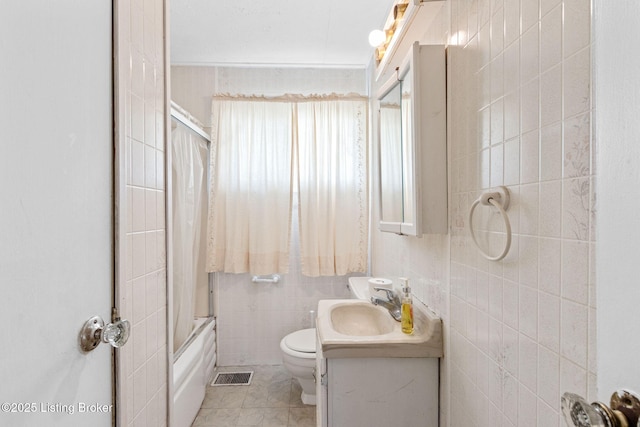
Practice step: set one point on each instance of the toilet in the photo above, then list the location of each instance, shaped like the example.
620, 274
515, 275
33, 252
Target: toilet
299, 358
299, 347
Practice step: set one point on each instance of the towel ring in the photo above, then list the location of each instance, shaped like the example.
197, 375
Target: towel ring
499, 198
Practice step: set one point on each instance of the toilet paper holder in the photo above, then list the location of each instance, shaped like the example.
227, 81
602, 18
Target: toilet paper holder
623, 410
273, 278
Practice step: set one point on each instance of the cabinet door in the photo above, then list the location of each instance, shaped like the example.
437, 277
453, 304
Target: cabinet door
412, 146
383, 391
321, 389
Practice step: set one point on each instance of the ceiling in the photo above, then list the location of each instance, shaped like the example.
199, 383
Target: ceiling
321, 33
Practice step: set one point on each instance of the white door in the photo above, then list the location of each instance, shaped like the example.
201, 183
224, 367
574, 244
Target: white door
56, 210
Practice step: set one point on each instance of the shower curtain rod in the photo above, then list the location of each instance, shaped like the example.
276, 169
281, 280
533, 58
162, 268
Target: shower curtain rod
182, 118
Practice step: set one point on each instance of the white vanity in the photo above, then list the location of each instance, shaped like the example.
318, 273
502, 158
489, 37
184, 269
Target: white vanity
371, 374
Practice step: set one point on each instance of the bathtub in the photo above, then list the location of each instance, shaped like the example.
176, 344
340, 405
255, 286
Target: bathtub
193, 367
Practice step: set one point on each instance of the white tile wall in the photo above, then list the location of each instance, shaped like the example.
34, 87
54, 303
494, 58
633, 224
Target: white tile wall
252, 318
143, 393
520, 332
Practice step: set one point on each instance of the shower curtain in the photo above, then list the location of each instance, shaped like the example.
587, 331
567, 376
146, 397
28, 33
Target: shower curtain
189, 173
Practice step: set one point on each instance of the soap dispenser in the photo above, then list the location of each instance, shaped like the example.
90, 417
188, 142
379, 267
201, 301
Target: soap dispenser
407, 307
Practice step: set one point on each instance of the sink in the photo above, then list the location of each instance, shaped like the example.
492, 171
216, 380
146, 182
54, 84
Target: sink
362, 319
349, 328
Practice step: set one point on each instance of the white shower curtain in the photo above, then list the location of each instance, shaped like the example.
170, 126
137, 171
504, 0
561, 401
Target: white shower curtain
188, 193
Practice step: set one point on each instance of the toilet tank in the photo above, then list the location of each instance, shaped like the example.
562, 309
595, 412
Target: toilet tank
362, 287
359, 288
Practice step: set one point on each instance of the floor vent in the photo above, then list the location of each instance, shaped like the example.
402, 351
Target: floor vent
233, 378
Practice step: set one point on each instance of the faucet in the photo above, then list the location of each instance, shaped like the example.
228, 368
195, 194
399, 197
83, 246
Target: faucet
392, 303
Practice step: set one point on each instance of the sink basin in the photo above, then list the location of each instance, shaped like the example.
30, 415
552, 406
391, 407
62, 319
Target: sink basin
353, 328
361, 320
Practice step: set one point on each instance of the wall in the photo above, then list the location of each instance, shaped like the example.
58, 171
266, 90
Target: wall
192, 87
618, 223
253, 318
142, 251
521, 331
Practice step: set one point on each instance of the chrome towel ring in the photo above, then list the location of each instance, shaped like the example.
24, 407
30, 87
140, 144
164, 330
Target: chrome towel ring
499, 198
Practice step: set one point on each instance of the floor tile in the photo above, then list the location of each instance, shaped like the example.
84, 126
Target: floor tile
302, 417
271, 400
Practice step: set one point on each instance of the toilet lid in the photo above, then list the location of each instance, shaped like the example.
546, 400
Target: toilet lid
303, 341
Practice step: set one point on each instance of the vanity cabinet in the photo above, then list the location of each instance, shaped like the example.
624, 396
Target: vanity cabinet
412, 148
378, 392
370, 374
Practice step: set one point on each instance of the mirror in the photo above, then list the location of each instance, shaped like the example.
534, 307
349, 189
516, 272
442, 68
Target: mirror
412, 145
408, 199
398, 199
391, 174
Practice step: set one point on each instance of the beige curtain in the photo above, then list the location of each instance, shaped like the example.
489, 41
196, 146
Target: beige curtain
332, 162
250, 196
251, 184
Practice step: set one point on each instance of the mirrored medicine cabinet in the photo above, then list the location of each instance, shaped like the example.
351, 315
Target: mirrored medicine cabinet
412, 145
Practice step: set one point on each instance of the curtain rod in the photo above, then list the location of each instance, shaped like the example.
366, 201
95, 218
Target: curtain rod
288, 97
189, 123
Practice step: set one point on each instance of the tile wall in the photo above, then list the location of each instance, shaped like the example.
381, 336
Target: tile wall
143, 300
519, 332
252, 318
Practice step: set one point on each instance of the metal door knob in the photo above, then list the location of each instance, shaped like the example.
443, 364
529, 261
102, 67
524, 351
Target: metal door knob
579, 413
623, 411
95, 331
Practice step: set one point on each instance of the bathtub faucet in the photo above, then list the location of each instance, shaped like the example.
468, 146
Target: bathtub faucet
392, 303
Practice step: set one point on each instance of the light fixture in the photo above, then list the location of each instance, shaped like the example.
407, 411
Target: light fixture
382, 40
398, 10
377, 37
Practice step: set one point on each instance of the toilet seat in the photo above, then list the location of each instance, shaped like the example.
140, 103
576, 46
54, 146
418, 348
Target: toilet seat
303, 341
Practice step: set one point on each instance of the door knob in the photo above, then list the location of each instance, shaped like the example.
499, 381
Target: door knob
623, 411
95, 331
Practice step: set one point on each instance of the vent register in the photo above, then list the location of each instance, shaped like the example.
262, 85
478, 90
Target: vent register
232, 378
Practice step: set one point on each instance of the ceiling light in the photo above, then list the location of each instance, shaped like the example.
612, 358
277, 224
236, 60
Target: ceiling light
377, 37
